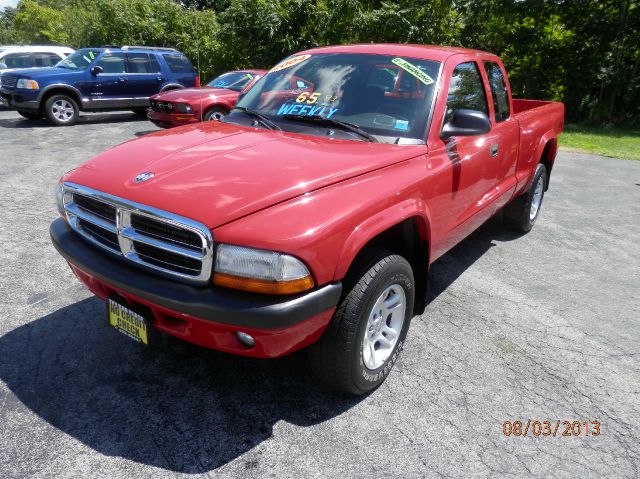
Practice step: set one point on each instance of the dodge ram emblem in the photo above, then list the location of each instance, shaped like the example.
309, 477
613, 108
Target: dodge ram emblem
147, 175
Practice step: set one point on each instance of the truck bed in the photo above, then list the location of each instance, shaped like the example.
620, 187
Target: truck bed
541, 123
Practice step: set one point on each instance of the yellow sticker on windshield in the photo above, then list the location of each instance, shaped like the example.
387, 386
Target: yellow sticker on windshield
413, 70
290, 62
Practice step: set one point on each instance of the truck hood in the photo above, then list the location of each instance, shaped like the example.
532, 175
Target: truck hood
43, 73
187, 95
217, 172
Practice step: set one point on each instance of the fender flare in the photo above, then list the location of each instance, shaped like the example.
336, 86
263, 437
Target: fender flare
61, 86
380, 222
216, 105
546, 138
549, 136
171, 86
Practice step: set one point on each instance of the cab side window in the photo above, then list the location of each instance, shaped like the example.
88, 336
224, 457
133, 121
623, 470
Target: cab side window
466, 91
498, 91
112, 63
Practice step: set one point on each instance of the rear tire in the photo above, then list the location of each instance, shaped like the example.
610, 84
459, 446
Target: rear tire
214, 114
360, 346
30, 115
61, 110
521, 213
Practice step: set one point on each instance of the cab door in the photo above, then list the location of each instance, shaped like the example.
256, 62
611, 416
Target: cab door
144, 76
464, 184
109, 87
505, 134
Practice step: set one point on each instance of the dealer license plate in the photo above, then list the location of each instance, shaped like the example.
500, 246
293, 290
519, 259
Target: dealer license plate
128, 322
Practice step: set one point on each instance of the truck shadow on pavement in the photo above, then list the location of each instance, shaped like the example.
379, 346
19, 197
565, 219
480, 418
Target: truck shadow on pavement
449, 267
183, 408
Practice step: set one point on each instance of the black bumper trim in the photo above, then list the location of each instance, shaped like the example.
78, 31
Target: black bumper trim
226, 306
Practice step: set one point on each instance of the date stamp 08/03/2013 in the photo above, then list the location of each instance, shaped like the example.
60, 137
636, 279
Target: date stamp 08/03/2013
551, 428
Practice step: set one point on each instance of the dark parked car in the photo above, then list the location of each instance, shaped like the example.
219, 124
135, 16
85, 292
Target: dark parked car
97, 79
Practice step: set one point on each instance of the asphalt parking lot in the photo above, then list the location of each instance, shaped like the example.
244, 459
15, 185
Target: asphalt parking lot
543, 327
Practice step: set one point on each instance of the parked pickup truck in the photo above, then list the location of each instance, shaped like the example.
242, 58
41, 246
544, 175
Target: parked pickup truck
309, 216
211, 102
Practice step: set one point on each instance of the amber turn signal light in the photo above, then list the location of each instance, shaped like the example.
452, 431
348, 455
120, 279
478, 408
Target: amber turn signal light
263, 286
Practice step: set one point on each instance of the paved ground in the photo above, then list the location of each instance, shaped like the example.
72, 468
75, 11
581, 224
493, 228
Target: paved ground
545, 326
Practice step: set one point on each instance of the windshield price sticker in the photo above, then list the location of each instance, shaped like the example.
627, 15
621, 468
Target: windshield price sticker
413, 70
311, 98
306, 110
290, 62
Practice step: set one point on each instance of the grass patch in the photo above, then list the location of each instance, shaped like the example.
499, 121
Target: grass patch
614, 142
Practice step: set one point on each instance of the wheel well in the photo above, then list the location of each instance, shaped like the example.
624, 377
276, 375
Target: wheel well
548, 157
171, 87
217, 107
403, 239
60, 91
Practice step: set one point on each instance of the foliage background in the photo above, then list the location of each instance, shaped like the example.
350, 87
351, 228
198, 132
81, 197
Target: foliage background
585, 53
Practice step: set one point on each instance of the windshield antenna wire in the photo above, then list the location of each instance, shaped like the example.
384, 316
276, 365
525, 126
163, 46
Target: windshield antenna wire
198, 62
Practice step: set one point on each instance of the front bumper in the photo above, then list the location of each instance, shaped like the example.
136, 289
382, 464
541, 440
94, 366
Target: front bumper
20, 99
168, 120
208, 316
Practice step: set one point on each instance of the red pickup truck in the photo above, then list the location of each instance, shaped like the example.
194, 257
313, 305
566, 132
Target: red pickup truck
310, 214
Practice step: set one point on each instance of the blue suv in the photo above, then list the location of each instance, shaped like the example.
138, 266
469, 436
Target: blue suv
97, 79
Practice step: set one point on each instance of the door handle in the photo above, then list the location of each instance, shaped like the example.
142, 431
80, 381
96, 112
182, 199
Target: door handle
494, 149
122, 80
160, 79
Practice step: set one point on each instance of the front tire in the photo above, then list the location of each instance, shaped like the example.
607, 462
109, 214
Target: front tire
61, 110
369, 327
30, 115
214, 114
521, 213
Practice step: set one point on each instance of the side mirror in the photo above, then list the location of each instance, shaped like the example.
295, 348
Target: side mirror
466, 123
95, 70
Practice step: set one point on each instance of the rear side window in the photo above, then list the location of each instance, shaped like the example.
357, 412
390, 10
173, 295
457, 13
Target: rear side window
112, 63
498, 91
142, 63
178, 63
45, 59
18, 60
466, 90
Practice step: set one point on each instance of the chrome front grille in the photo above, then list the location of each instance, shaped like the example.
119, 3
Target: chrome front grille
162, 106
154, 239
9, 81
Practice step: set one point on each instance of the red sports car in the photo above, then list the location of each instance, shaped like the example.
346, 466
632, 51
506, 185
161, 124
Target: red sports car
212, 102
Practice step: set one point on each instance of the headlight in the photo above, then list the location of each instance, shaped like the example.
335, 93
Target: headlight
260, 271
27, 84
62, 199
183, 108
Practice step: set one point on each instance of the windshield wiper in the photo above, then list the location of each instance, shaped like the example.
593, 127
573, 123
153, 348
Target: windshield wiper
331, 122
259, 117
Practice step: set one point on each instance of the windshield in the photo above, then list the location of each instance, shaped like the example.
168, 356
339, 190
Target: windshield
389, 97
235, 81
80, 59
